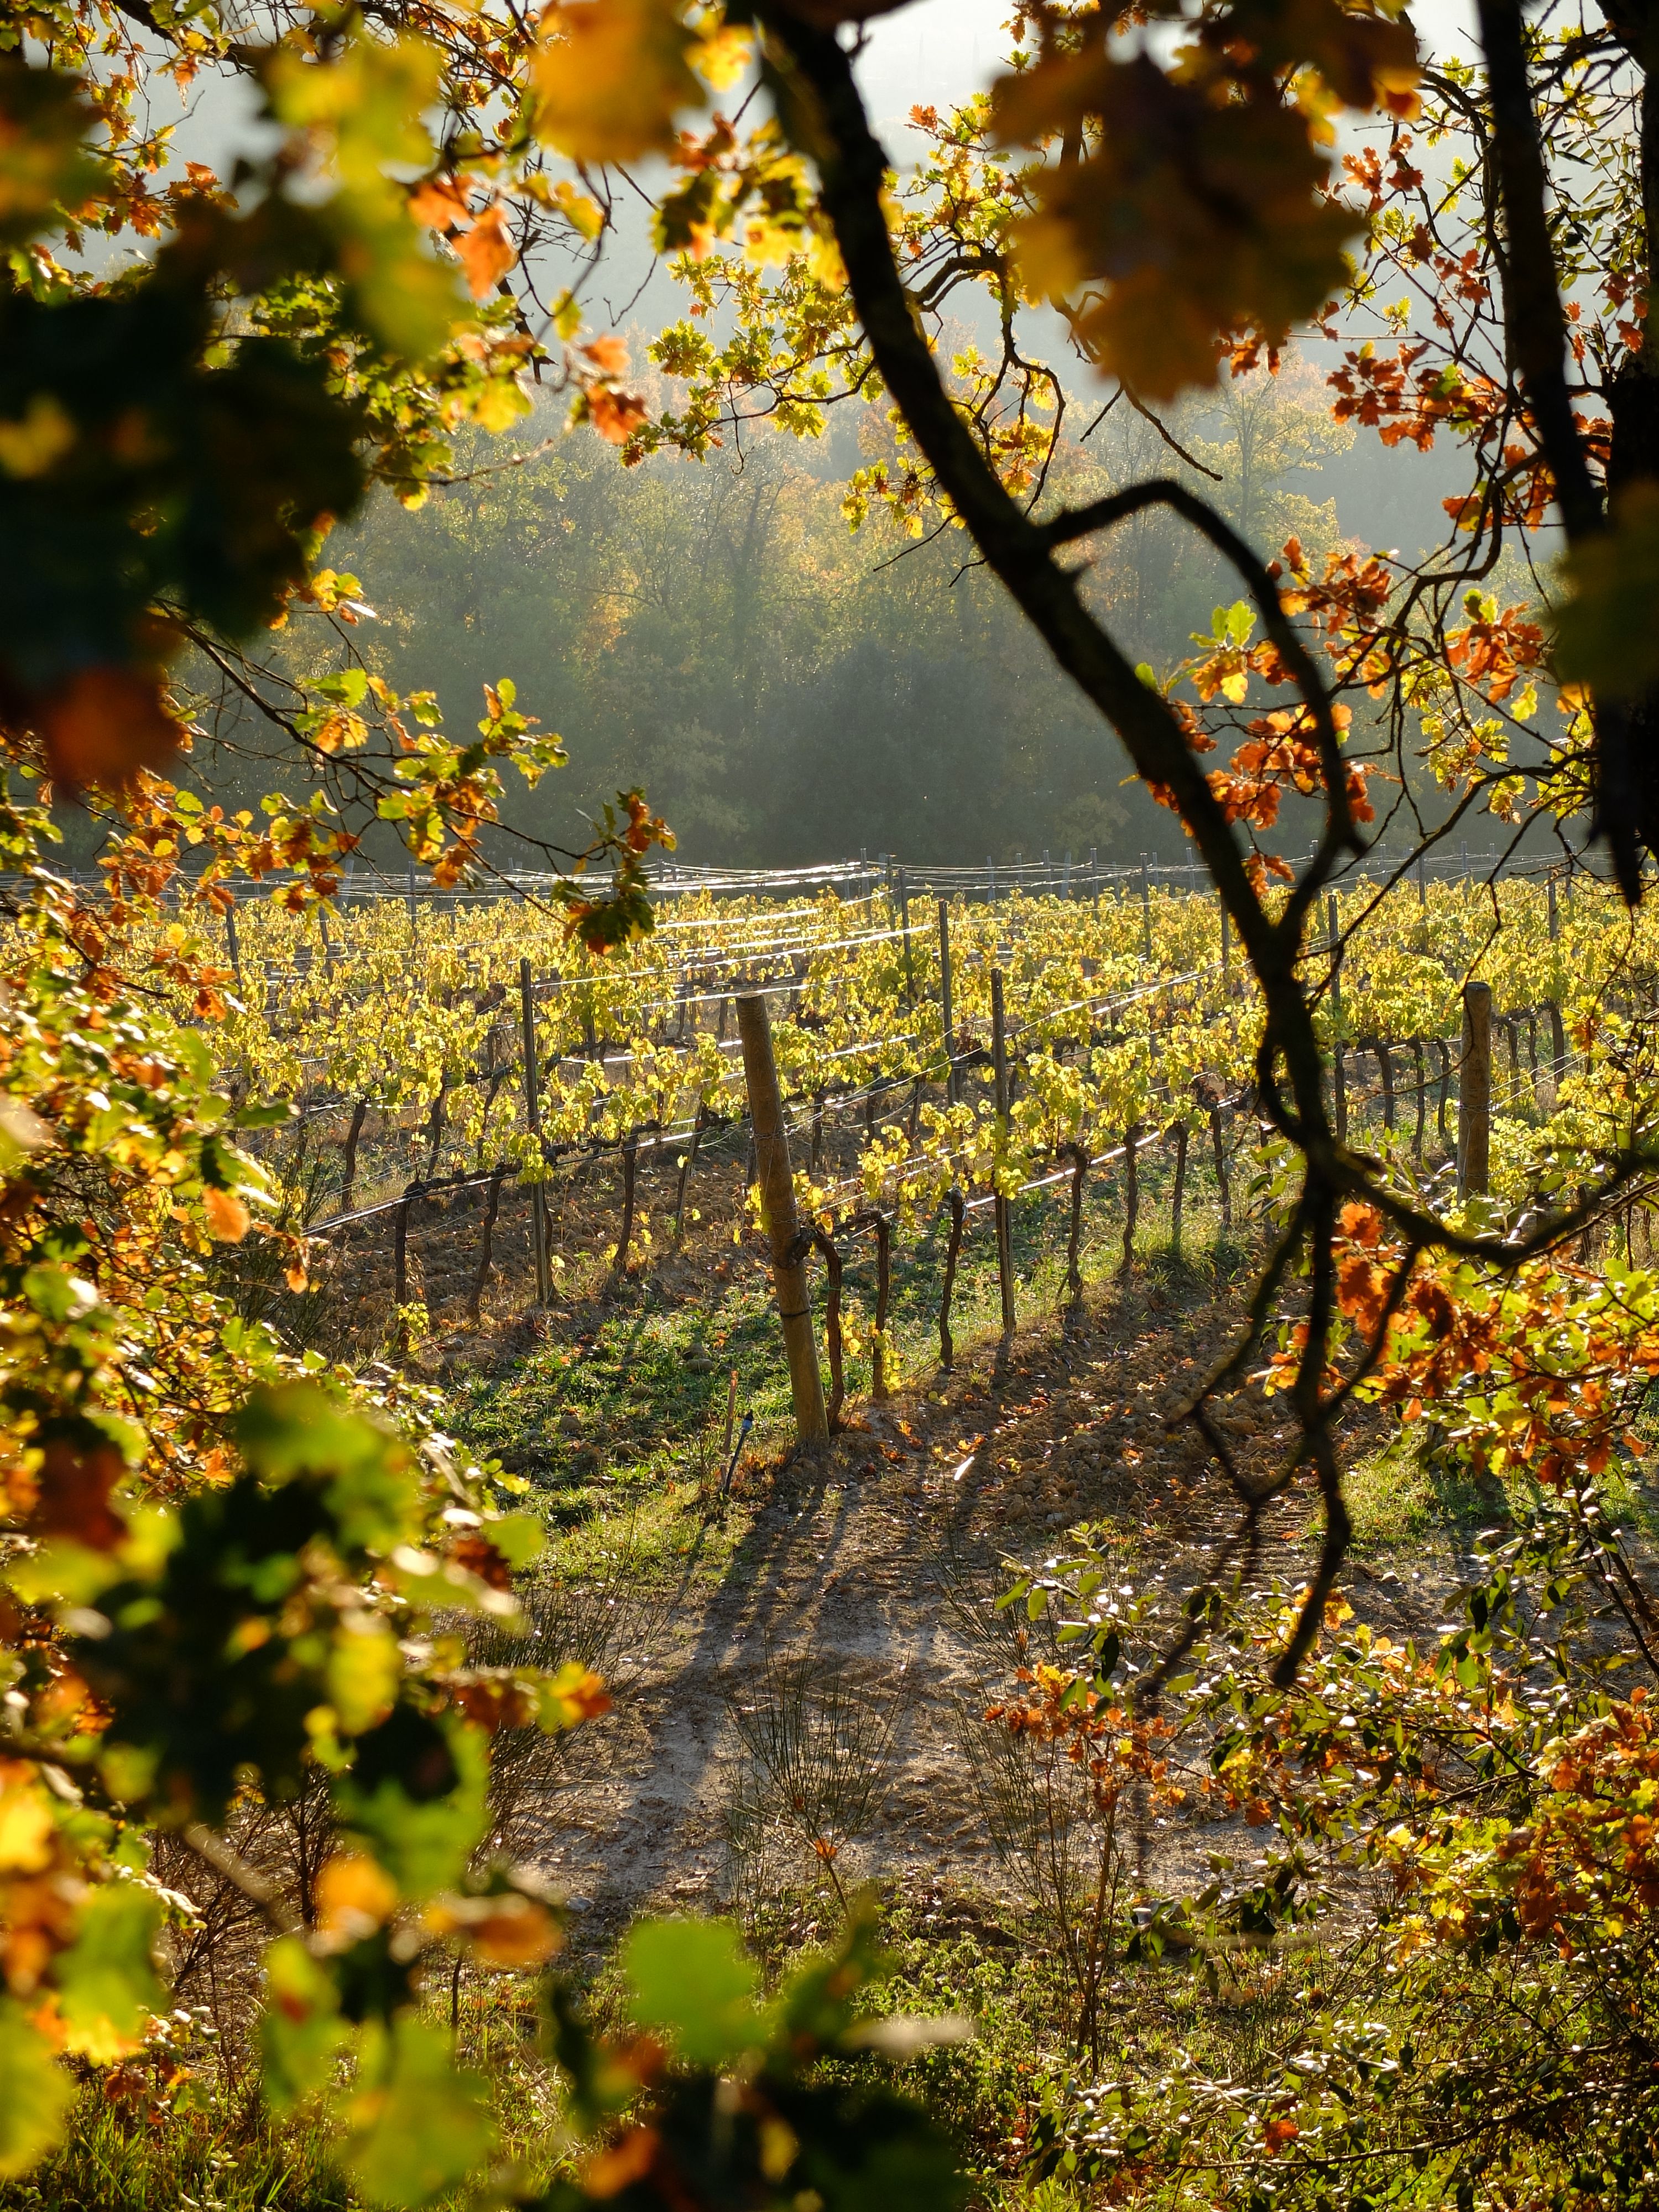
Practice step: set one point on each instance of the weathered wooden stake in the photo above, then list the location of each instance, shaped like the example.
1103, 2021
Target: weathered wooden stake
1339, 1067
954, 1200
232, 941
831, 1258
1180, 1185
778, 1208
487, 1241
904, 924
1131, 1192
630, 1160
1224, 1187
348, 1179
1000, 1208
687, 1161
878, 1360
944, 1001
1474, 1092
1079, 1159
532, 1115
1422, 1099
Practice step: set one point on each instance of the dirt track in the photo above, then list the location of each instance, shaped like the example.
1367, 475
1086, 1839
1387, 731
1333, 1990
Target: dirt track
856, 1560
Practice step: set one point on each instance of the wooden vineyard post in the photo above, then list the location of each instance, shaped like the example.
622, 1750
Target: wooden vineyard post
1131, 1192
532, 1115
349, 1176
1558, 1033
879, 1364
1146, 911
777, 1184
1339, 1072
831, 1258
1079, 1159
904, 924
687, 1161
414, 919
1181, 1134
630, 1159
1474, 1092
487, 1242
944, 1001
1224, 1187
1226, 949
1000, 1205
947, 1347
233, 946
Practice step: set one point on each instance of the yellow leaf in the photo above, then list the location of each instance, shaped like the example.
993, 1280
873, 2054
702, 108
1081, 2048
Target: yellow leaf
354, 1896
610, 77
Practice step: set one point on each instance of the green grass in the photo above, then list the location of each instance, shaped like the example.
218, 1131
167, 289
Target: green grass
226, 2155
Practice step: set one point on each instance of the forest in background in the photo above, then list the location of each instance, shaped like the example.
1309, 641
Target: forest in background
786, 688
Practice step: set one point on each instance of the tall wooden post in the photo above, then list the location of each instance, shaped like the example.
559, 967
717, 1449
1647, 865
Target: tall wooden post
944, 1001
1474, 1092
1226, 947
532, 1115
414, 924
1145, 911
777, 1184
904, 924
234, 944
1339, 1067
1005, 1242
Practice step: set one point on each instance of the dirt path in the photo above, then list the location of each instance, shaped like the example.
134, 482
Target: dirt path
858, 1562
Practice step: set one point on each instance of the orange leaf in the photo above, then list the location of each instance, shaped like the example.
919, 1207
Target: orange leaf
227, 1217
609, 355
486, 252
106, 724
74, 1490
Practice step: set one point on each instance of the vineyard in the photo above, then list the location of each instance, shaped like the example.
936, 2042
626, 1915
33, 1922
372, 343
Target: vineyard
462, 1077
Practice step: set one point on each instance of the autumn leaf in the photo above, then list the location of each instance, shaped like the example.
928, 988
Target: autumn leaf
354, 1896
73, 1488
609, 355
486, 252
1195, 216
227, 1217
106, 724
610, 77
615, 415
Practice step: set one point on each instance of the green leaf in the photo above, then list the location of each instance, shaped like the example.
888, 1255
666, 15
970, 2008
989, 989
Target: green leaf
107, 1987
35, 2092
693, 1979
416, 1797
301, 2034
424, 2125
